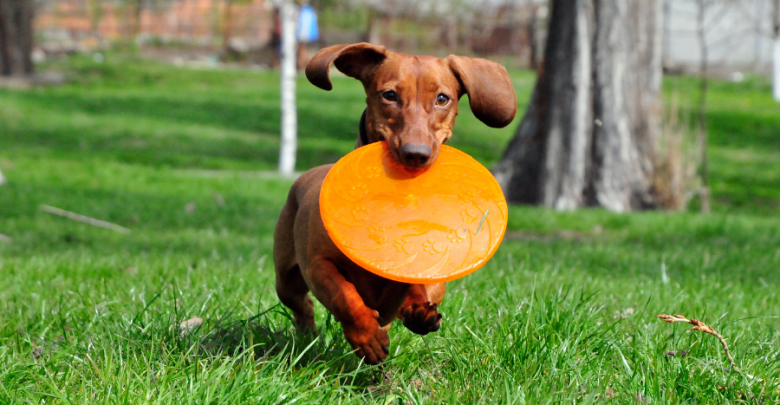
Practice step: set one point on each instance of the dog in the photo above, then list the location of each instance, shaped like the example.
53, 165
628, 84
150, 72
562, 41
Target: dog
412, 102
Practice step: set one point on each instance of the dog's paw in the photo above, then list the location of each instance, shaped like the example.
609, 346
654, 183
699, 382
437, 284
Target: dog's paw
421, 319
371, 342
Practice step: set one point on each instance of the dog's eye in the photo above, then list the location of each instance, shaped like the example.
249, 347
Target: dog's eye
390, 96
442, 100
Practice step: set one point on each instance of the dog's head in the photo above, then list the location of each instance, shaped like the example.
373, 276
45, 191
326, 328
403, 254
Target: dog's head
413, 100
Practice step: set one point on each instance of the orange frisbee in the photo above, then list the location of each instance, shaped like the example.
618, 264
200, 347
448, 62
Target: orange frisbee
414, 226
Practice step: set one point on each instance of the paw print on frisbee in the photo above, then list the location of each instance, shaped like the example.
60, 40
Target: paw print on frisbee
410, 225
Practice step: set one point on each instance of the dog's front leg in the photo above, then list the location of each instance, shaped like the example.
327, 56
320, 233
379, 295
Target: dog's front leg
419, 312
360, 323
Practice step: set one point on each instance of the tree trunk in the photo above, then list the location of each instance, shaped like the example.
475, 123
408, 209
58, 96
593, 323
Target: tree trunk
289, 16
16, 37
533, 54
588, 136
372, 30
227, 29
95, 16
139, 11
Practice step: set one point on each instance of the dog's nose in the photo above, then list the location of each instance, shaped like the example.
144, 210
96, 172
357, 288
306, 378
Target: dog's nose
415, 155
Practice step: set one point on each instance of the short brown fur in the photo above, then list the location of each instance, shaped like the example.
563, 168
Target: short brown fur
416, 119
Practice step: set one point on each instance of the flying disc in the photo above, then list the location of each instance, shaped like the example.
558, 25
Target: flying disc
414, 226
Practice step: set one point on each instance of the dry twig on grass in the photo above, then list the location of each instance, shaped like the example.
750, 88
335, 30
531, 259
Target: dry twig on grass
702, 327
84, 219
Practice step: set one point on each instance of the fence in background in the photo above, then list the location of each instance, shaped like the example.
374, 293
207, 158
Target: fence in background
86, 24
513, 29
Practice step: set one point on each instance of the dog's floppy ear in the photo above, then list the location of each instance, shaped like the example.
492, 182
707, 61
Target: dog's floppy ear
354, 60
491, 95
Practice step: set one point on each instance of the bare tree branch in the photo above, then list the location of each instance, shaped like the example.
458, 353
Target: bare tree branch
84, 219
701, 327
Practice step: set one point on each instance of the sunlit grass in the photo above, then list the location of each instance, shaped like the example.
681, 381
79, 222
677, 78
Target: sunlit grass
565, 311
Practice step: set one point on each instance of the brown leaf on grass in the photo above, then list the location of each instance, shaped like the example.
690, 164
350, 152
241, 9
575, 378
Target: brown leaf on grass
219, 200
641, 398
189, 325
624, 313
610, 393
37, 353
701, 327
672, 353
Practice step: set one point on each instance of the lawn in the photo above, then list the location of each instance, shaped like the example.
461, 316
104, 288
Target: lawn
565, 311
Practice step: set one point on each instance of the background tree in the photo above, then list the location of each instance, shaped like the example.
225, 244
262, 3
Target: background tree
96, 14
588, 136
16, 41
128, 11
16, 37
137, 7
227, 23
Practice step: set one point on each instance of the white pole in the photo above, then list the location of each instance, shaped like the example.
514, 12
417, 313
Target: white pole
776, 50
776, 67
289, 16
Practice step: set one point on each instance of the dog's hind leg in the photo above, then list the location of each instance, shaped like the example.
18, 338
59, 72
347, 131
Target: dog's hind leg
294, 294
290, 285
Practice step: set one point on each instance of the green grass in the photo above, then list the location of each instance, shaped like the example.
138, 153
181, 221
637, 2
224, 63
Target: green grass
744, 135
565, 312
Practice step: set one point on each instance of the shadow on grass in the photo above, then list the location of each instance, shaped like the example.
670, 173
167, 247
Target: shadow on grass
270, 338
167, 128
740, 129
222, 111
324, 136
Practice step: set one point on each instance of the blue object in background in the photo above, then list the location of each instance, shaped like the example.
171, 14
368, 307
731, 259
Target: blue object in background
307, 30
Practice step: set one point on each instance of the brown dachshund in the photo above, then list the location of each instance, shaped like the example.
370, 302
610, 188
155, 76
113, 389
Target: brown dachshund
411, 102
